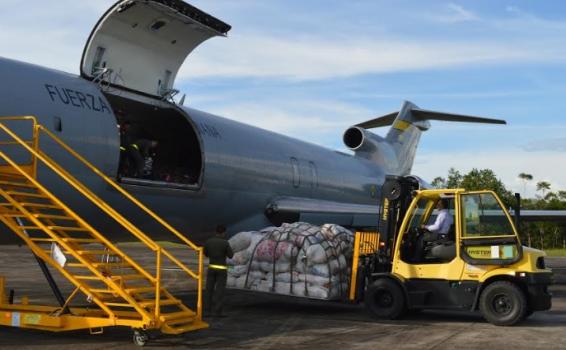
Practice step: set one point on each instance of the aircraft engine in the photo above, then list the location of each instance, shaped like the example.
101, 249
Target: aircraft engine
368, 145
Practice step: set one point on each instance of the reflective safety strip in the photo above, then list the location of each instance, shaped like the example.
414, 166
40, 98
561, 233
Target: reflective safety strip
135, 146
122, 148
218, 267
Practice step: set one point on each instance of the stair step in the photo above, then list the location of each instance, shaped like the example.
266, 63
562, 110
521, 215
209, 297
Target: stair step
30, 228
42, 239
49, 216
13, 176
131, 277
27, 194
14, 215
41, 205
68, 228
95, 252
177, 315
115, 277
165, 302
17, 184
103, 291
141, 290
99, 264
119, 304
191, 325
113, 264
88, 278
80, 240
181, 322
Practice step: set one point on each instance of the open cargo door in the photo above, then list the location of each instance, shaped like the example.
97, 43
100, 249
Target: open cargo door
140, 45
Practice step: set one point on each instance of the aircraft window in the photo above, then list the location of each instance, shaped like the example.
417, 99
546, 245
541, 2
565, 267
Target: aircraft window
483, 216
57, 124
97, 63
314, 175
296, 173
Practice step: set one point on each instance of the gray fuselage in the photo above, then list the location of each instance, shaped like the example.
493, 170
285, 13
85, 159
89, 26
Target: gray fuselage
244, 168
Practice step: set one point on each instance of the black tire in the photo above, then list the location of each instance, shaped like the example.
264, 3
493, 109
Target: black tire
385, 299
529, 312
503, 303
140, 337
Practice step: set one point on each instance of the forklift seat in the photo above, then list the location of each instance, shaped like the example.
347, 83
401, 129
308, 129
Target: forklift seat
445, 251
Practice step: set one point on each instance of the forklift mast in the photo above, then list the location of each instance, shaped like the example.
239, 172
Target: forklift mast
397, 193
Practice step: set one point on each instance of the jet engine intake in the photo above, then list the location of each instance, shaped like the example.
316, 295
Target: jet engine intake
355, 138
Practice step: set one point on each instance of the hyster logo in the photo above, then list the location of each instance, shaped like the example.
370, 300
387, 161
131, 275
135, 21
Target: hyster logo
77, 99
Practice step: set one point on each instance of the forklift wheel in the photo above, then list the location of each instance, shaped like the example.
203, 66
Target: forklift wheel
503, 303
385, 299
140, 337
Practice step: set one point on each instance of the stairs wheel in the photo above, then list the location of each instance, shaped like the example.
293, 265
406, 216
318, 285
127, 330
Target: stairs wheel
140, 337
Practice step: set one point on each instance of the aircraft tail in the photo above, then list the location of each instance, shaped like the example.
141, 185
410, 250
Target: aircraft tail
399, 147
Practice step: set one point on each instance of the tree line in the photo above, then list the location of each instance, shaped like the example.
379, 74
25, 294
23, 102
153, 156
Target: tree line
542, 235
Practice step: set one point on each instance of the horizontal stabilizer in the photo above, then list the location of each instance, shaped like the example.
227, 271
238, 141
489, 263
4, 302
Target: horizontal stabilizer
450, 117
423, 114
385, 120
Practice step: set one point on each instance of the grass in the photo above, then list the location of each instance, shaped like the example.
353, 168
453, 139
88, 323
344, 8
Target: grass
556, 252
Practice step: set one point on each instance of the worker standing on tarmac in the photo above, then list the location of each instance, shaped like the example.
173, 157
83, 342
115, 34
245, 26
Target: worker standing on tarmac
217, 249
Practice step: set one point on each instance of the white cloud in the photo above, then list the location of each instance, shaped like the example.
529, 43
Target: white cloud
55, 35
454, 14
507, 164
552, 144
308, 58
320, 122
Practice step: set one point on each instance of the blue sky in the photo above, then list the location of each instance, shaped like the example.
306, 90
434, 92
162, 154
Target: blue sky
310, 69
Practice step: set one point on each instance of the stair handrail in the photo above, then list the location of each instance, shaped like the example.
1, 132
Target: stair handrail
38, 154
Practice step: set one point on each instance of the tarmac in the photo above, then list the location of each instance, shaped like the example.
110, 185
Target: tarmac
261, 321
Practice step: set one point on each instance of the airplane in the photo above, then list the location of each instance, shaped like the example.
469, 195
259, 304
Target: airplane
207, 170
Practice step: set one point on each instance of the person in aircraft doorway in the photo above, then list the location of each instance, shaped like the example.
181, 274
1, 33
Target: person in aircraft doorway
141, 153
125, 165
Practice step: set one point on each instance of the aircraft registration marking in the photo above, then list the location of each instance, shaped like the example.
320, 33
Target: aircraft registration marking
77, 99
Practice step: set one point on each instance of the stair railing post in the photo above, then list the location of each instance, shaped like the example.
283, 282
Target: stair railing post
199, 282
158, 286
36, 148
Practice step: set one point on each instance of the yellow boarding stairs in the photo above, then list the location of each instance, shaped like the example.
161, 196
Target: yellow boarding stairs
120, 291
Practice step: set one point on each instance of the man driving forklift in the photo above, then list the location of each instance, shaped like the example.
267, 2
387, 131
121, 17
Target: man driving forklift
433, 241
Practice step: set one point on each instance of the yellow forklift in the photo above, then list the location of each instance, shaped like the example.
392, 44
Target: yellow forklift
479, 264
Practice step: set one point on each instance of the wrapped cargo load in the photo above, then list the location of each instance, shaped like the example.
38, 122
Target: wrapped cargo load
297, 259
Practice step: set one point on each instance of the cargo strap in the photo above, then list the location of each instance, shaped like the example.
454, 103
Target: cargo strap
217, 267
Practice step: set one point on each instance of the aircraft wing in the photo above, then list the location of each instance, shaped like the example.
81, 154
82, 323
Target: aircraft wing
542, 215
315, 211
321, 211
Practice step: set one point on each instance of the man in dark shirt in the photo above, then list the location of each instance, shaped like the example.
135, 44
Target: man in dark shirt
139, 152
217, 249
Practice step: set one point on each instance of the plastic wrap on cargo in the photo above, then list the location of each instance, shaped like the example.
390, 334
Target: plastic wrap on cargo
296, 259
